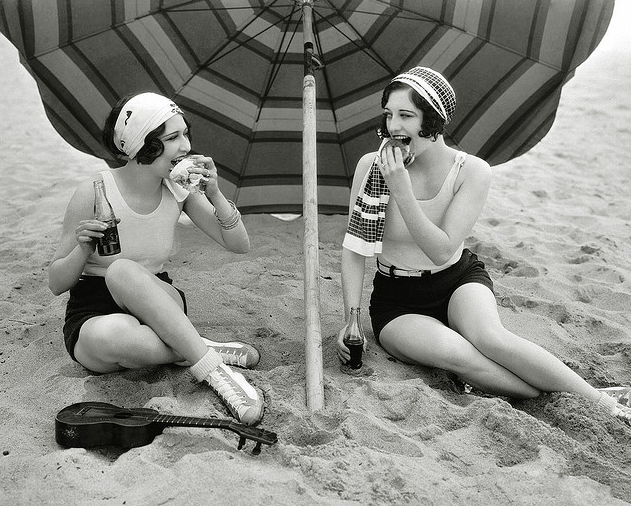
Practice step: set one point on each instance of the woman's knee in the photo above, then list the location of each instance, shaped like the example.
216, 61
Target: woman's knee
122, 270
491, 341
460, 358
105, 337
442, 348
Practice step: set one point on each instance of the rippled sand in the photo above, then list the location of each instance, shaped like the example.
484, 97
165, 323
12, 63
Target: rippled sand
555, 234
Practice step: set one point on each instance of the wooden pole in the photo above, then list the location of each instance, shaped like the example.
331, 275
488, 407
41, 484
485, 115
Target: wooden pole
313, 337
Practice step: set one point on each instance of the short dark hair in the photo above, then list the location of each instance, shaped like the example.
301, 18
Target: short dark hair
152, 147
433, 124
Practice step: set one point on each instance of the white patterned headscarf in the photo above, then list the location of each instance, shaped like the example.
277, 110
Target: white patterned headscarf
140, 115
433, 87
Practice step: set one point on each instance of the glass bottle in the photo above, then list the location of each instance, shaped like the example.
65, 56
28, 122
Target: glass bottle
354, 338
109, 244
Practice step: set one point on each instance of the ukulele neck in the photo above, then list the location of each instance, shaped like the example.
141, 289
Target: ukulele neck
188, 421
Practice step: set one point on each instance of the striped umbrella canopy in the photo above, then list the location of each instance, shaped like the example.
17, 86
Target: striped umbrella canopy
236, 68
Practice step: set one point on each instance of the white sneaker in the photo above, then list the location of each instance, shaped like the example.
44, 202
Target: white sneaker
621, 394
608, 401
240, 397
623, 413
232, 353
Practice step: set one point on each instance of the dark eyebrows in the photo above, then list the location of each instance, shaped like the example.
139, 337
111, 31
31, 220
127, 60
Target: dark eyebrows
409, 111
175, 132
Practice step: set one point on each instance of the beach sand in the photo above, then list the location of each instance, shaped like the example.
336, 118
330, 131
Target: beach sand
555, 235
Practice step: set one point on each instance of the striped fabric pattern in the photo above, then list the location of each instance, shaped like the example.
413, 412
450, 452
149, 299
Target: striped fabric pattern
236, 67
364, 234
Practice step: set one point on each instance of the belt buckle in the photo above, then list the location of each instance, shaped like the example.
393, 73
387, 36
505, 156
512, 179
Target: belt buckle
413, 273
420, 273
403, 273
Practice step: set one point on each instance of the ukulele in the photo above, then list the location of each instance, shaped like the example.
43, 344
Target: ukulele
88, 424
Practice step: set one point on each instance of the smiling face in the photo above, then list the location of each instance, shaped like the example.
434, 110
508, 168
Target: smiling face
404, 119
176, 142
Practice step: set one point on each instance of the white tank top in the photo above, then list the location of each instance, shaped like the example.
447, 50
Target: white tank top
145, 238
399, 248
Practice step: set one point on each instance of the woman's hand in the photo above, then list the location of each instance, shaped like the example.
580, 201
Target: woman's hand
392, 168
343, 352
205, 166
392, 159
87, 232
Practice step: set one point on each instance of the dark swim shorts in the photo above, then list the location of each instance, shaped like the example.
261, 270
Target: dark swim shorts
90, 297
427, 295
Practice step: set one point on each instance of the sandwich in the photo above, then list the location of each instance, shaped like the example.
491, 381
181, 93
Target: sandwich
403, 145
192, 181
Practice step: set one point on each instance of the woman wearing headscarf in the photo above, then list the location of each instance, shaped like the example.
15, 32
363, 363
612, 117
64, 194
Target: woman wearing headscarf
123, 311
413, 203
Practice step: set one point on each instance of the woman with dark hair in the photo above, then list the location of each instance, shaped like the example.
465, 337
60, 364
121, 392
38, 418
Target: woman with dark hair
432, 301
123, 311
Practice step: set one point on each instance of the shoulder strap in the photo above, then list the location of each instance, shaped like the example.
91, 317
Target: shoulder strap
108, 180
461, 156
459, 160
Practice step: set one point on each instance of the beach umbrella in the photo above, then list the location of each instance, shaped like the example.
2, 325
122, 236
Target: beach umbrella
236, 68
284, 94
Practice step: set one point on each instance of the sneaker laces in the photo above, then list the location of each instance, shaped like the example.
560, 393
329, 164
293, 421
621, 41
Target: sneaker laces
235, 353
234, 357
232, 353
239, 396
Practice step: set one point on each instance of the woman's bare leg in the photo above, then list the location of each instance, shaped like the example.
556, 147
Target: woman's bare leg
426, 341
473, 314
156, 330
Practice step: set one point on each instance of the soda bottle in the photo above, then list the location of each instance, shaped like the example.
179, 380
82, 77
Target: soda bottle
109, 244
354, 338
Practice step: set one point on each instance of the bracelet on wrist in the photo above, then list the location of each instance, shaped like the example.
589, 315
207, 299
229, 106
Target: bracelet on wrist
231, 221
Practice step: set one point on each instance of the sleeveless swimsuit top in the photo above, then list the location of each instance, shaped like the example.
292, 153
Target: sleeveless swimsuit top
145, 238
399, 248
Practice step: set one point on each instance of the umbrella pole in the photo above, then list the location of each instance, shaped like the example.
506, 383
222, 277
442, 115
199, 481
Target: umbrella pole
313, 338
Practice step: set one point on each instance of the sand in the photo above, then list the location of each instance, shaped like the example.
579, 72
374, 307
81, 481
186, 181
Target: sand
555, 235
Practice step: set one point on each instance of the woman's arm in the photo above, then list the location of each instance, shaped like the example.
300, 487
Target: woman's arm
77, 240
353, 271
207, 216
202, 213
353, 265
439, 242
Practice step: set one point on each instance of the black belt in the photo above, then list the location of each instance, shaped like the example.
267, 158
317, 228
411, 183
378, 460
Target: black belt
393, 272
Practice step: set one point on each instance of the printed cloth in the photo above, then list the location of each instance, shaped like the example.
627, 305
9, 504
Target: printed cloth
365, 228
139, 116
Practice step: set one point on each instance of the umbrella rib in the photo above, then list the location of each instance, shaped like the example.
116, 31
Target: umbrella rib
273, 74
414, 15
217, 56
276, 65
347, 168
371, 54
211, 59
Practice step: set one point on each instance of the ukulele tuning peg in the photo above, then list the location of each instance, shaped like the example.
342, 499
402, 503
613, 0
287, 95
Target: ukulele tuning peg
257, 449
242, 441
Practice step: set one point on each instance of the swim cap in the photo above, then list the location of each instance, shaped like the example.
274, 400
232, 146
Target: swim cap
433, 87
